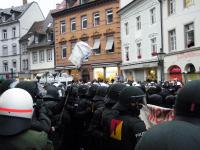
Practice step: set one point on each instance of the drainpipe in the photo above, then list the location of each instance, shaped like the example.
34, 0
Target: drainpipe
161, 25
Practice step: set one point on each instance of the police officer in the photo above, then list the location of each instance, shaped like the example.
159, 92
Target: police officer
125, 126
182, 133
16, 110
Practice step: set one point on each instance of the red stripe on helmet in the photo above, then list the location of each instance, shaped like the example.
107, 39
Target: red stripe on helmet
16, 110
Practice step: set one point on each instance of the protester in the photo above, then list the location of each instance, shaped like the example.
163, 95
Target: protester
182, 133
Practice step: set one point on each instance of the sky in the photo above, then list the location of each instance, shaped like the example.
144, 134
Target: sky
45, 5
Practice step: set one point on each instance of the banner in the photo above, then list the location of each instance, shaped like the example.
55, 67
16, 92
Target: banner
153, 115
80, 53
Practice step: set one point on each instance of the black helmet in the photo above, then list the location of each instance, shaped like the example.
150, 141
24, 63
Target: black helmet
92, 90
52, 92
155, 99
100, 93
188, 99
113, 92
130, 96
5, 85
82, 90
31, 87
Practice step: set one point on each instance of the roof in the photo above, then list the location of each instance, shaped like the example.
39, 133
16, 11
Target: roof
21, 9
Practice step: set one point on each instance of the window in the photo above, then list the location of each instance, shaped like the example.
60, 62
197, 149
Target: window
3, 18
139, 51
109, 16
24, 47
188, 3
25, 64
63, 51
14, 64
13, 16
36, 39
171, 7
62, 27
13, 32
5, 50
110, 44
4, 36
126, 28
96, 19
127, 53
153, 15
84, 22
34, 57
49, 55
49, 36
5, 66
153, 47
73, 24
41, 56
14, 49
189, 35
172, 40
138, 22
96, 47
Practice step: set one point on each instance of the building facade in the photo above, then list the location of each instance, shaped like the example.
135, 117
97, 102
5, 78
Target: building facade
38, 43
96, 23
14, 23
181, 34
140, 40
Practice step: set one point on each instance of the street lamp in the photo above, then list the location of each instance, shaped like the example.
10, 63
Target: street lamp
161, 56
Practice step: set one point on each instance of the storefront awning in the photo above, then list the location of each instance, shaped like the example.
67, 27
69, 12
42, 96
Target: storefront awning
109, 43
70, 67
139, 65
96, 44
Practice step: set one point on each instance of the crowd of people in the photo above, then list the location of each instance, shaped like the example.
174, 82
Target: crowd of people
97, 115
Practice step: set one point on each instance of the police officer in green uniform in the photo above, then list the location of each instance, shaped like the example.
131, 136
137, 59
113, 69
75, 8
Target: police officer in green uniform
184, 132
16, 110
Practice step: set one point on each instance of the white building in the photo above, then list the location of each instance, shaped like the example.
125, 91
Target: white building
14, 23
181, 32
140, 39
40, 47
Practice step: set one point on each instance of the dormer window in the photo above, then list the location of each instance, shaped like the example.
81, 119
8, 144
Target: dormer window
3, 18
13, 16
36, 39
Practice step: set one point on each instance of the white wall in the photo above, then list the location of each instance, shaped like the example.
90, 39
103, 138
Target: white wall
178, 20
42, 65
144, 35
31, 15
124, 3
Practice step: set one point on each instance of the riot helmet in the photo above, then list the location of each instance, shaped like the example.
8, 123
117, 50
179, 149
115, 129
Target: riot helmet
92, 90
188, 99
100, 93
82, 90
16, 110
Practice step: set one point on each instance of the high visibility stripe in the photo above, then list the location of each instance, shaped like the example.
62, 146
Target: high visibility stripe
16, 110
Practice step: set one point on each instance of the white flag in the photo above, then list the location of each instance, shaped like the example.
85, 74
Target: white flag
80, 53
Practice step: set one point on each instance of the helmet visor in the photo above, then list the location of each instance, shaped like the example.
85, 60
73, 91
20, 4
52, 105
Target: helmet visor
138, 101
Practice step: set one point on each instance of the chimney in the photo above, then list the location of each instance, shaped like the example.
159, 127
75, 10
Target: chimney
24, 2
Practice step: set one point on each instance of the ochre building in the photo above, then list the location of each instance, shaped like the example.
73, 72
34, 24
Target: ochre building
98, 24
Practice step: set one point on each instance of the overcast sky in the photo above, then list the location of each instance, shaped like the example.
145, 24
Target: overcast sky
45, 5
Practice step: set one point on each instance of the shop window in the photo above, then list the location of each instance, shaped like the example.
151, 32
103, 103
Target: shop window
110, 44
188, 3
96, 47
111, 73
189, 35
98, 73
